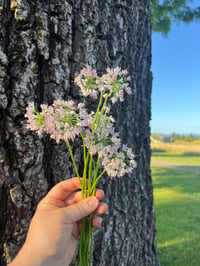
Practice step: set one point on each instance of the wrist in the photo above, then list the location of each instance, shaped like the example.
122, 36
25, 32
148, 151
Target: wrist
27, 257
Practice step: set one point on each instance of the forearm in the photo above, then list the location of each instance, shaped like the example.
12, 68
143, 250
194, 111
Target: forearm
27, 258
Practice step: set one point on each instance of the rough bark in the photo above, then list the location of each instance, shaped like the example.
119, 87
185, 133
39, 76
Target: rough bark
43, 45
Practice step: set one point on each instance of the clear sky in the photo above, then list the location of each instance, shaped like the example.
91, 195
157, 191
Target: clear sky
176, 80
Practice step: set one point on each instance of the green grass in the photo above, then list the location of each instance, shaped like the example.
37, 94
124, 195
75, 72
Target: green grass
187, 158
177, 204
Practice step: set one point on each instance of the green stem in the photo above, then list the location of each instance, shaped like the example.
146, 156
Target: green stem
99, 105
88, 236
90, 175
84, 182
91, 240
86, 242
102, 110
95, 182
96, 168
86, 157
73, 161
84, 149
104, 104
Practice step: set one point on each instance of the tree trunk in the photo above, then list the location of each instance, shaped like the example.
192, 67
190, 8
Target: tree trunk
43, 45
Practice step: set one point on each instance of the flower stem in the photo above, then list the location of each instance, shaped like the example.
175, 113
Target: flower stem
98, 116
90, 175
73, 161
104, 104
84, 149
91, 239
99, 105
96, 180
84, 181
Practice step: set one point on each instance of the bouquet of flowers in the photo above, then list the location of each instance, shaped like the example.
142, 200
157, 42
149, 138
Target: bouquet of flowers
102, 147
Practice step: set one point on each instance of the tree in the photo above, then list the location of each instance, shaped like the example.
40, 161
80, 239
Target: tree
43, 45
166, 12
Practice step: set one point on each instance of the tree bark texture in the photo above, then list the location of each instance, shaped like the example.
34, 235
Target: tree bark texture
43, 46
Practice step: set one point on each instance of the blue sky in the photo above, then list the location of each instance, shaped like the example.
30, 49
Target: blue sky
176, 80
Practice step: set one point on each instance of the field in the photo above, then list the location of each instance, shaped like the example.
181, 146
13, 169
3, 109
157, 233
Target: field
176, 180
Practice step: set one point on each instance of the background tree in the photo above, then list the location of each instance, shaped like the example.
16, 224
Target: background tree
43, 45
166, 12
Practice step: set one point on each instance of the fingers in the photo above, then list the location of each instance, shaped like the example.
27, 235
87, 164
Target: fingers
76, 197
63, 194
96, 222
62, 189
78, 211
101, 209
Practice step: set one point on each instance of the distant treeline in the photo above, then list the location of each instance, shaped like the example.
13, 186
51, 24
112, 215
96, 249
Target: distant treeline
175, 137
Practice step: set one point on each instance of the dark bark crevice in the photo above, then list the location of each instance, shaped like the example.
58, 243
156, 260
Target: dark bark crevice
40, 88
48, 172
3, 215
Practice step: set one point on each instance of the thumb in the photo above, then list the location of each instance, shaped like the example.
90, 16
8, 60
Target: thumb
81, 209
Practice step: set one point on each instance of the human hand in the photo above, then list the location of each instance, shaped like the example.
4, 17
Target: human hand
55, 227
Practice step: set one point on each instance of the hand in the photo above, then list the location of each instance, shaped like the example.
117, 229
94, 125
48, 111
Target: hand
55, 227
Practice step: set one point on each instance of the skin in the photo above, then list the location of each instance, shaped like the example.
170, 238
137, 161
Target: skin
55, 228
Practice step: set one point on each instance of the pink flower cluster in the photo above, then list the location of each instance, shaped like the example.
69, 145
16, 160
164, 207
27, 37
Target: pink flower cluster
87, 81
64, 120
117, 159
112, 84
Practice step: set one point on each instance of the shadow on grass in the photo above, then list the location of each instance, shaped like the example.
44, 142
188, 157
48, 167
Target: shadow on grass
181, 178
160, 152
178, 232
191, 154
180, 253
155, 150
177, 204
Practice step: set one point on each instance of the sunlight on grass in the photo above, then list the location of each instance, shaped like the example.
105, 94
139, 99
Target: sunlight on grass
178, 158
174, 242
177, 206
177, 147
165, 196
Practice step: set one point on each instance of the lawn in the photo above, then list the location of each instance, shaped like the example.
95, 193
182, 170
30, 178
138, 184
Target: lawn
176, 180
